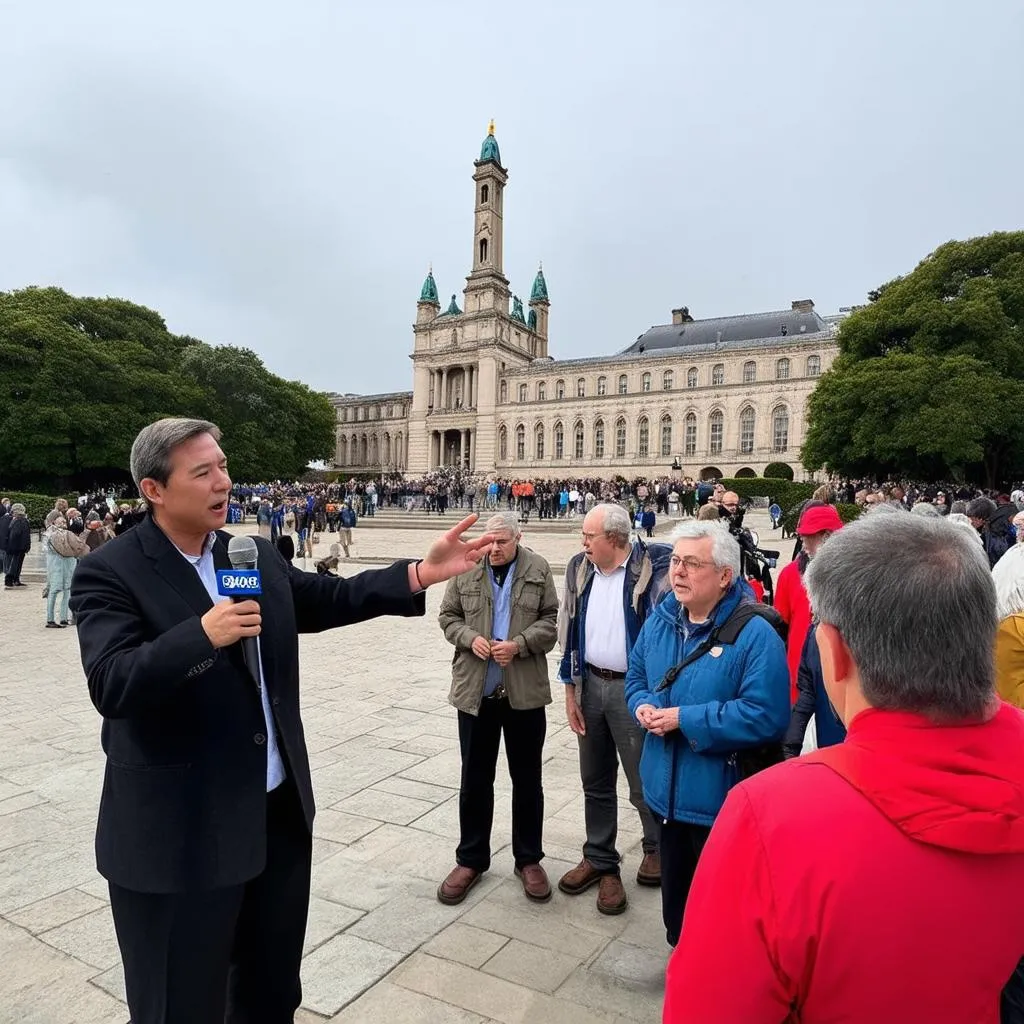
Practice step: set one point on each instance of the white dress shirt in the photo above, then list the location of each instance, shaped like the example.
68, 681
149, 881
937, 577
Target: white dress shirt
207, 571
604, 635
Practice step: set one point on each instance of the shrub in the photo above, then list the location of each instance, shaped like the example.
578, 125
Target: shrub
778, 471
785, 493
36, 505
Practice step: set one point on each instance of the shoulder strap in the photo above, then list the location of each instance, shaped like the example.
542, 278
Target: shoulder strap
724, 633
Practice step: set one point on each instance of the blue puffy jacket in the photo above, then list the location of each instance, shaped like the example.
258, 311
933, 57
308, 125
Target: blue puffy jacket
735, 699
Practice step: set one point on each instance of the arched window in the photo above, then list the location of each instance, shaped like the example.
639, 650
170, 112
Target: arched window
691, 434
645, 382
581, 388
643, 438
599, 439
667, 381
813, 366
780, 429
620, 438
623, 384
363, 454
716, 427
718, 373
485, 194
522, 392
520, 443
749, 372
538, 442
559, 441
503, 391
503, 444
577, 441
353, 450
343, 451
483, 250
602, 385
560, 389
387, 450
782, 369
691, 377
542, 391
747, 430
666, 434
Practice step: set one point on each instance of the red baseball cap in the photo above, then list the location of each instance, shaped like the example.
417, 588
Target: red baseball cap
818, 520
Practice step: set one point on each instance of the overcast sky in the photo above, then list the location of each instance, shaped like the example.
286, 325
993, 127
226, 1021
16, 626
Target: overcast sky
280, 175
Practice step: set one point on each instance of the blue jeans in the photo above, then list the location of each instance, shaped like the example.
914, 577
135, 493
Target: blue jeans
51, 604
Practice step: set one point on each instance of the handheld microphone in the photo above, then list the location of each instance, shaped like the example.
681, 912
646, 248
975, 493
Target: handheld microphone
242, 582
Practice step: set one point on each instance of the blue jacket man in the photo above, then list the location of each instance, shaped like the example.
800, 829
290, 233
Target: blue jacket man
610, 588
732, 697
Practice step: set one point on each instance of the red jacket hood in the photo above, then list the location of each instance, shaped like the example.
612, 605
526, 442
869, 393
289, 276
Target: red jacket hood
960, 787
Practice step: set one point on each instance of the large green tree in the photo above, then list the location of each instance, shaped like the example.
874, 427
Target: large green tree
79, 377
929, 382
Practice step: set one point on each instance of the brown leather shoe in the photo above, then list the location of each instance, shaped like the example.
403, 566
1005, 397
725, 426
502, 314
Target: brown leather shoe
535, 882
650, 870
579, 879
611, 897
456, 886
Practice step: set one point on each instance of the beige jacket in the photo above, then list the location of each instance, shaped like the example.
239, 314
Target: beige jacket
467, 612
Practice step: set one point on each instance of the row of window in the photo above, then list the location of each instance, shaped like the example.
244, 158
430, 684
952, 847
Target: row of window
716, 433
368, 451
782, 371
358, 414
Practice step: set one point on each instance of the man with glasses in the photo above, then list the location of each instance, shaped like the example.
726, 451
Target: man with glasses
610, 588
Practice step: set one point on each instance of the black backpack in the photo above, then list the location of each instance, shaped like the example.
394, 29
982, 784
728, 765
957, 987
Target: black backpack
753, 759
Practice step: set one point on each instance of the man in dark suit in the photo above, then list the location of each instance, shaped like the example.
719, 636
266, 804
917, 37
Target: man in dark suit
205, 822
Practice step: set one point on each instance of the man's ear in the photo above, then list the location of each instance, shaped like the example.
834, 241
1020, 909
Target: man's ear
837, 668
151, 491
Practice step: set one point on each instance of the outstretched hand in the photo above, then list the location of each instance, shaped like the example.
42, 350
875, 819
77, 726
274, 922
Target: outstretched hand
450, 555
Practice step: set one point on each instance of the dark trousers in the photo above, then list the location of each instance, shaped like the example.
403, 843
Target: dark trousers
479, 736
226, 956
681, 845
12, 571
613, 737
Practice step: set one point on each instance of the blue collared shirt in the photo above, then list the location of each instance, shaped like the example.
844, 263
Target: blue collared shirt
204, 566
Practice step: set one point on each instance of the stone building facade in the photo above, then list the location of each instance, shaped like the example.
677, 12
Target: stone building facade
718, 397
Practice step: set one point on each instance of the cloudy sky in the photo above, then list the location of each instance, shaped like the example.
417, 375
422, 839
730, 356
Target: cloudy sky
280, 176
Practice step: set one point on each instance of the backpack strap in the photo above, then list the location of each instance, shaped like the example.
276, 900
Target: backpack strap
724, 633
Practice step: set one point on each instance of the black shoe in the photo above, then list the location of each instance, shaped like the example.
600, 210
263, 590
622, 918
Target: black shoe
20, 584
52, 625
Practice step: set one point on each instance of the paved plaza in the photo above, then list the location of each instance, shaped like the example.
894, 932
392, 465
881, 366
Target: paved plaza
383, 749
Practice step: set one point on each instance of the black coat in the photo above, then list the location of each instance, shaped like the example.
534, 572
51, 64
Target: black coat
19, 537
184, 794
5, 529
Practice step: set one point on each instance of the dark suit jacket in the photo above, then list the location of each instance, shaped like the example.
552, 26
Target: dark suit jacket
184, 795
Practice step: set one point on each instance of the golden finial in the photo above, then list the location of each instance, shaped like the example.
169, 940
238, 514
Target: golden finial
490, 127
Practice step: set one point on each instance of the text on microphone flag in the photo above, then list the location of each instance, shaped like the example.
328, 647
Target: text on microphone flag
235, 583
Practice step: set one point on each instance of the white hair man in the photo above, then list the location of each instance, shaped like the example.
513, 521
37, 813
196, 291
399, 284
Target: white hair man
878, 879
502, 619
610, 588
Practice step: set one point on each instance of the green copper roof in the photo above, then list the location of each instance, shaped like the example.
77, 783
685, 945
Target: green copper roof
428, 293
517, 310
531, 320
489, 150
453, 309
540, 288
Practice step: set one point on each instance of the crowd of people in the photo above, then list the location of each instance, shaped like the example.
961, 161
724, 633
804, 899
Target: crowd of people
804, 760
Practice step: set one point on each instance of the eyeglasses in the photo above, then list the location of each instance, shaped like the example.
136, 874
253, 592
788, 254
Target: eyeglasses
690, 564
589, 536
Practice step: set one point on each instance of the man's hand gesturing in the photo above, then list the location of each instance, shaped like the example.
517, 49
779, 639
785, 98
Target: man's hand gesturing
482, 648
228, 621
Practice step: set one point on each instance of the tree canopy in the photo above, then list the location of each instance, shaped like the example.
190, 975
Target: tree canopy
929, 382
79, 377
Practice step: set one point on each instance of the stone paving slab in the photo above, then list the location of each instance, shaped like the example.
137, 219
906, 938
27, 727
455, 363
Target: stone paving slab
384, 755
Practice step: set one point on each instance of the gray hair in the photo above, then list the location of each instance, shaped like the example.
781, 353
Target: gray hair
725, 549
151, 450
504, 522
893, 586
926, 508
615, 521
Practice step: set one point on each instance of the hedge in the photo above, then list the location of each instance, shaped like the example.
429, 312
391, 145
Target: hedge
778, 471
847, 513
785, 493
36, 505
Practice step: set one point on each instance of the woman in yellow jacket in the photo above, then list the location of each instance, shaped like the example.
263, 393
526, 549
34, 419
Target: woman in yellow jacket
1008, 576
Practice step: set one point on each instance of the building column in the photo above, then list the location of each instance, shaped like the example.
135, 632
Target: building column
444, 390
464, 454
469, 388
434, 436
431, 388
472, 449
